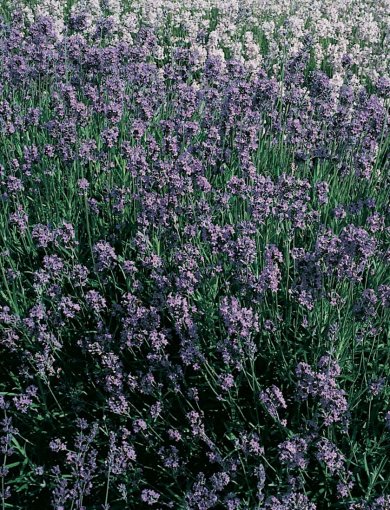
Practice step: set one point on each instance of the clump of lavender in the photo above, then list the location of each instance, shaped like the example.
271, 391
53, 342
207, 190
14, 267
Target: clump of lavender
105, 256
328, 453
322, 386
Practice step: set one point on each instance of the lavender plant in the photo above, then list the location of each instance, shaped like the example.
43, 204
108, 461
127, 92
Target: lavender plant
194, 300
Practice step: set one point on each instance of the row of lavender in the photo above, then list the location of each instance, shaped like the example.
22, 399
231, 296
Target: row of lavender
194, 276
263, 33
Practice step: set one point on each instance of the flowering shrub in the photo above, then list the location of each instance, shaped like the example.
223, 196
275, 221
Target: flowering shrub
194, 300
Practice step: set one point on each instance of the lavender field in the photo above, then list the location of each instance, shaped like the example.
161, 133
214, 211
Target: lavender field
194, 259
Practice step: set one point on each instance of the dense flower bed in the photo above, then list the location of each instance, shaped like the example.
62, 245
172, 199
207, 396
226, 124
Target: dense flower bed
259, 32
194, 300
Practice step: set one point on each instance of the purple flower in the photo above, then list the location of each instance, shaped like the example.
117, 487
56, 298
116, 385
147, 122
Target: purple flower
376, 386
43, 235
83, 184
238, 320
290, 501
110, 136
95, 301
150, 497
322, 189
293, 453
68, 307
273, 400
226, 382
322, 385
105, 255
20, 219
328, 453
